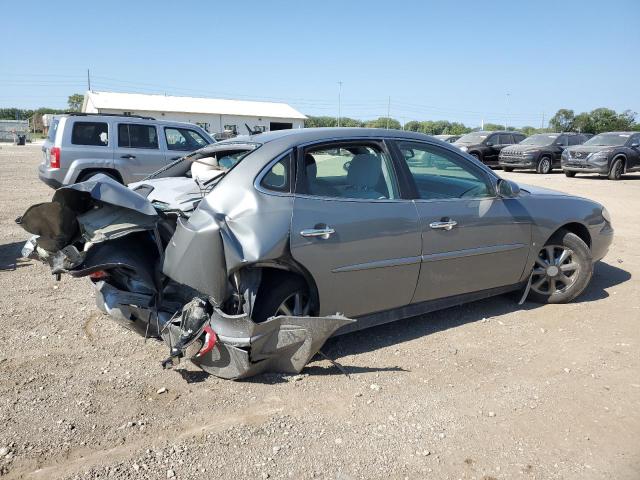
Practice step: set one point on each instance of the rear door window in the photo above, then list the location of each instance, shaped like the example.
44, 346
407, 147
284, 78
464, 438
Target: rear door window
563, 140
349, 171
183, 139
505, 139
131, 135
90, 133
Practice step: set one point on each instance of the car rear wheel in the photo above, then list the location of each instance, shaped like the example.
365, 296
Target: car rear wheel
476, 156
562, 270
507, 169
544, 165
286, 296
570, 174
617, 169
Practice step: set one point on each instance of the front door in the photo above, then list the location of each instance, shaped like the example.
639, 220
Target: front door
138, 153
351, 230
471, 239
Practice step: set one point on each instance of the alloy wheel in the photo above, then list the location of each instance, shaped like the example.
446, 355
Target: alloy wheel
555, 270
297, 304
545, 165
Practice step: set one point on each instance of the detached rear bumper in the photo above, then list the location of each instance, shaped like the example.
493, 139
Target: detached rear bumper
243, 348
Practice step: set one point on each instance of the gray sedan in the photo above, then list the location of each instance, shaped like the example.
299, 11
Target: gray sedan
248, 254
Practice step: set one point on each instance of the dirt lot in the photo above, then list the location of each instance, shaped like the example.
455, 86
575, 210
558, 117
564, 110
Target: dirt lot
485, 391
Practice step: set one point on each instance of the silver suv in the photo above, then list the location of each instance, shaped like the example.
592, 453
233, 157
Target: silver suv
126, 148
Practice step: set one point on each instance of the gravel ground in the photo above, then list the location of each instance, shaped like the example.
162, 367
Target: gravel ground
486, 391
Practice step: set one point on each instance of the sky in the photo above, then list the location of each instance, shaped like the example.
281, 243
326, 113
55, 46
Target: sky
460, 60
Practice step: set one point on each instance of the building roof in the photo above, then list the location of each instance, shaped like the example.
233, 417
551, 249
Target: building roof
137, 102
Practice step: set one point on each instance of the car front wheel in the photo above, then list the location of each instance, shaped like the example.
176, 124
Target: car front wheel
562, 270
617, 169
544, 165
507, 169
570, 174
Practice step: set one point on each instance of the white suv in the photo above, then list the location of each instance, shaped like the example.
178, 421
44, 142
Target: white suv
126, 148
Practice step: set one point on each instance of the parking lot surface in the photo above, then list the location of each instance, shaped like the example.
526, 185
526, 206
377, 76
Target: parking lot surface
489, 390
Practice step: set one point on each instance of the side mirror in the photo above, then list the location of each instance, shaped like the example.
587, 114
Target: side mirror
507, 188
635, 145
489, 144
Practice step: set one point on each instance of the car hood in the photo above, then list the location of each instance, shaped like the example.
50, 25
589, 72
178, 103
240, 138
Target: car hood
535, 190
591, 148
172, 193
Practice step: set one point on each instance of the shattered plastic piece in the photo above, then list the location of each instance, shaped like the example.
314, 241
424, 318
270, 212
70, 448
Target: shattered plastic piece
280, 344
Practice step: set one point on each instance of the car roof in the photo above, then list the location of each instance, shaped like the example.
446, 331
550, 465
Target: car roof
303, 135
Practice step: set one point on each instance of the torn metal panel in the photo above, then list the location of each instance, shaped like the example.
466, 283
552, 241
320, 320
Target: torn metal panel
105, 189
110, 222
195, 256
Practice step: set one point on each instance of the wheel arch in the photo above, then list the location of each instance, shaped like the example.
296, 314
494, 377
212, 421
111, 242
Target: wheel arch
577, 229
621, 156
275, 270
90, 171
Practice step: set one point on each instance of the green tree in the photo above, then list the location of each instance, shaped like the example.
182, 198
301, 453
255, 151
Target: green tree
529, 130
75, 102
383, 122
490, 127
412, 126
563, 121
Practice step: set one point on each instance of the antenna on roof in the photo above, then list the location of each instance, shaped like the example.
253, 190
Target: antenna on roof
88, 80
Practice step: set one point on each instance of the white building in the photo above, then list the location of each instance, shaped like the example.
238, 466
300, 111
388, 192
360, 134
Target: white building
212, 114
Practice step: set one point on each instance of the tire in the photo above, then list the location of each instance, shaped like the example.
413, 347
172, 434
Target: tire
273, 295
544, 166
507, 169
476, 156
548, 284
569, 174
83, 177
617, 169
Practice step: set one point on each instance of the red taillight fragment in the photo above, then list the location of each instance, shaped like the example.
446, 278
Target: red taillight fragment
210, 339
54, 157
98, 275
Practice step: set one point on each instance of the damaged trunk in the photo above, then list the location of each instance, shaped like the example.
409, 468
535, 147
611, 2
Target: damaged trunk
165, 275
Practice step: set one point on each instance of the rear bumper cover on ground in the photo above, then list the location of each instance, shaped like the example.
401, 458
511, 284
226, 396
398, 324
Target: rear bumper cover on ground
243, 348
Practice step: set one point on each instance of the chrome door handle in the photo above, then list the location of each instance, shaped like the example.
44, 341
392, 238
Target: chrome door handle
323, 233
448, 225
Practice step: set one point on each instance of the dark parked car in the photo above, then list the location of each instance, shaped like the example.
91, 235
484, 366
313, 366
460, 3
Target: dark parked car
486, 146
611, 154
245, 272
540, 152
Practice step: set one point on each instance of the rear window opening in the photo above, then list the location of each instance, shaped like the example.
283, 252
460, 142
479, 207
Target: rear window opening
90, 133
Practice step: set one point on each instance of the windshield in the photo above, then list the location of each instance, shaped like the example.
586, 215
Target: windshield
539, 139
473, 137
608, 139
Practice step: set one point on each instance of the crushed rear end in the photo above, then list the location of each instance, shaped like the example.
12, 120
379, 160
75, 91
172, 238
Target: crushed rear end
163, 273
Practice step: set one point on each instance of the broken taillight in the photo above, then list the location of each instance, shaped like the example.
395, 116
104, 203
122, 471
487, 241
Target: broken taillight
54, 157
98, 275
210, 339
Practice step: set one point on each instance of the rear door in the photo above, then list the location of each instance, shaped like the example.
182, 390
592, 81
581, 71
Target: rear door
139, 151
471, 239
351, 229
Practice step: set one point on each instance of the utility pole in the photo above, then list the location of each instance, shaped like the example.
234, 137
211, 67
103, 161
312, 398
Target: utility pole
339, 101
506, 122
388, 111
88, 80
542, 124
